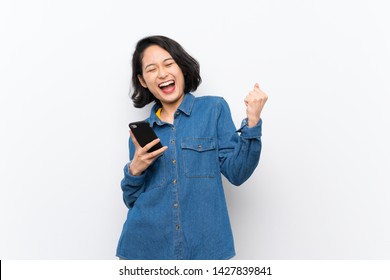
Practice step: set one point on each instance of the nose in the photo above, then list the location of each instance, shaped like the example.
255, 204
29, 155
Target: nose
162, 73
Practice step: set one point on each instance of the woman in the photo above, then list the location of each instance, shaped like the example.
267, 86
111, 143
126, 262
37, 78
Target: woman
177, 207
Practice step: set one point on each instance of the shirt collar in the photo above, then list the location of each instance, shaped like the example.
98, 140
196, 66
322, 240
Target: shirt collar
185, 106
187, 103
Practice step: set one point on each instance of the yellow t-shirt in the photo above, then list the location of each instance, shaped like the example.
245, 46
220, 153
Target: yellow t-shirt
158, 112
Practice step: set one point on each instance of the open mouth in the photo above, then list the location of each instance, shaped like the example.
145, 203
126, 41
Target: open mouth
168, 86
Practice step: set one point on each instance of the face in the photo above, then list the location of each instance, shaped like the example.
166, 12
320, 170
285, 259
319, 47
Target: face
162, 76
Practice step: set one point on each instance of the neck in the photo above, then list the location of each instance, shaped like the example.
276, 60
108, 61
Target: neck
169, 109
167, 115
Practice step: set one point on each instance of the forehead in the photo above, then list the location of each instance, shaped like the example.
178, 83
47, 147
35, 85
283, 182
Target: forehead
154, 54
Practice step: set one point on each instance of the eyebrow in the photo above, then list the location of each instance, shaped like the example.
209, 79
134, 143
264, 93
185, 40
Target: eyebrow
152, 64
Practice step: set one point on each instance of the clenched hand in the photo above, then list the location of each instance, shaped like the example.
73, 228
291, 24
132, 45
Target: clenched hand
254, 102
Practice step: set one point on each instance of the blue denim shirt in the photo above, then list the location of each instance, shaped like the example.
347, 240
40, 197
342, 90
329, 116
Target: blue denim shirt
177, 207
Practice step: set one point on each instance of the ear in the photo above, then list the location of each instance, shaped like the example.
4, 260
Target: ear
142, 81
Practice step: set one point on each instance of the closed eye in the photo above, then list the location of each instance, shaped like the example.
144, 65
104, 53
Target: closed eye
169, 64
150, 70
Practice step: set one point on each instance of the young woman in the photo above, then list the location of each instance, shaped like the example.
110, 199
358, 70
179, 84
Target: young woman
175, 197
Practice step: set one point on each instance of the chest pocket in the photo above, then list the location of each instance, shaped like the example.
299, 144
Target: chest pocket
199, 157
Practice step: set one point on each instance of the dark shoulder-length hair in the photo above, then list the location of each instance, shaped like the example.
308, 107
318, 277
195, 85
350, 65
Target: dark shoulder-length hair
189, 66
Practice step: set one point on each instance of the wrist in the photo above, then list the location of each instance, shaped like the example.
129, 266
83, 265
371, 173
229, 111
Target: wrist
253, 122
133, 171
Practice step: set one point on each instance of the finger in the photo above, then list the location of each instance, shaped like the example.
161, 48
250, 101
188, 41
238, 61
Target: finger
246, 100
251, 95
151, 144
158, 152
256, 86
152, 156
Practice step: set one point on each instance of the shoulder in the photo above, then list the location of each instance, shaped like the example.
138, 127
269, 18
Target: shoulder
214, 105
209, 99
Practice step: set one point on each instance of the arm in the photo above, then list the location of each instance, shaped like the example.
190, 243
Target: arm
134, 176
132, 186
240, 155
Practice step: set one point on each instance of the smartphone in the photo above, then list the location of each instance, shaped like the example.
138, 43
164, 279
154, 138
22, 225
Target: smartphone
144, 134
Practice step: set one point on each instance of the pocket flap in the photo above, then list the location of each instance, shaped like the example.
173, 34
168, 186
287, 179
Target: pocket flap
198, 144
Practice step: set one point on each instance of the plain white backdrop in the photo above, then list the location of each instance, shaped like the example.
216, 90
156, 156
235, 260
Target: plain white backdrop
322, 189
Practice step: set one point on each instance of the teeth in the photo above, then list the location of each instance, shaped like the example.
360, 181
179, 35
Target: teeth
166, 84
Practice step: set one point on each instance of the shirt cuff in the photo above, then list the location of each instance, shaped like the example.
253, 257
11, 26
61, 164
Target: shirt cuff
250, 132
135, 180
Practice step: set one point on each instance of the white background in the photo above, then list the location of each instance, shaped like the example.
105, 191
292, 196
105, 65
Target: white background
321, 190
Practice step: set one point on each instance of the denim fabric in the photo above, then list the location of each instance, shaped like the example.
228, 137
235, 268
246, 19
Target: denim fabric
177, 207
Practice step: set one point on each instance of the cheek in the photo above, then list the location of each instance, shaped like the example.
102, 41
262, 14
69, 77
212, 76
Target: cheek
181, 78
183, 81
148, 80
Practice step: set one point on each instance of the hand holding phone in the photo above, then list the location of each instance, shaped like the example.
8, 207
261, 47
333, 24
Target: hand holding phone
144, 134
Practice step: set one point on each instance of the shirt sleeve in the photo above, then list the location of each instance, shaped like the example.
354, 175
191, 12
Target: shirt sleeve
238, 154
132, 186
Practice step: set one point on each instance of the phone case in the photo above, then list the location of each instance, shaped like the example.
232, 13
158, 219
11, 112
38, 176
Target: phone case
144, 134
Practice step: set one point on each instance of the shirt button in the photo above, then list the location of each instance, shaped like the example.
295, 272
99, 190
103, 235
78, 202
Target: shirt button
176, 205
177, 227
172, 141
177, 113
174, 181
174, 161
